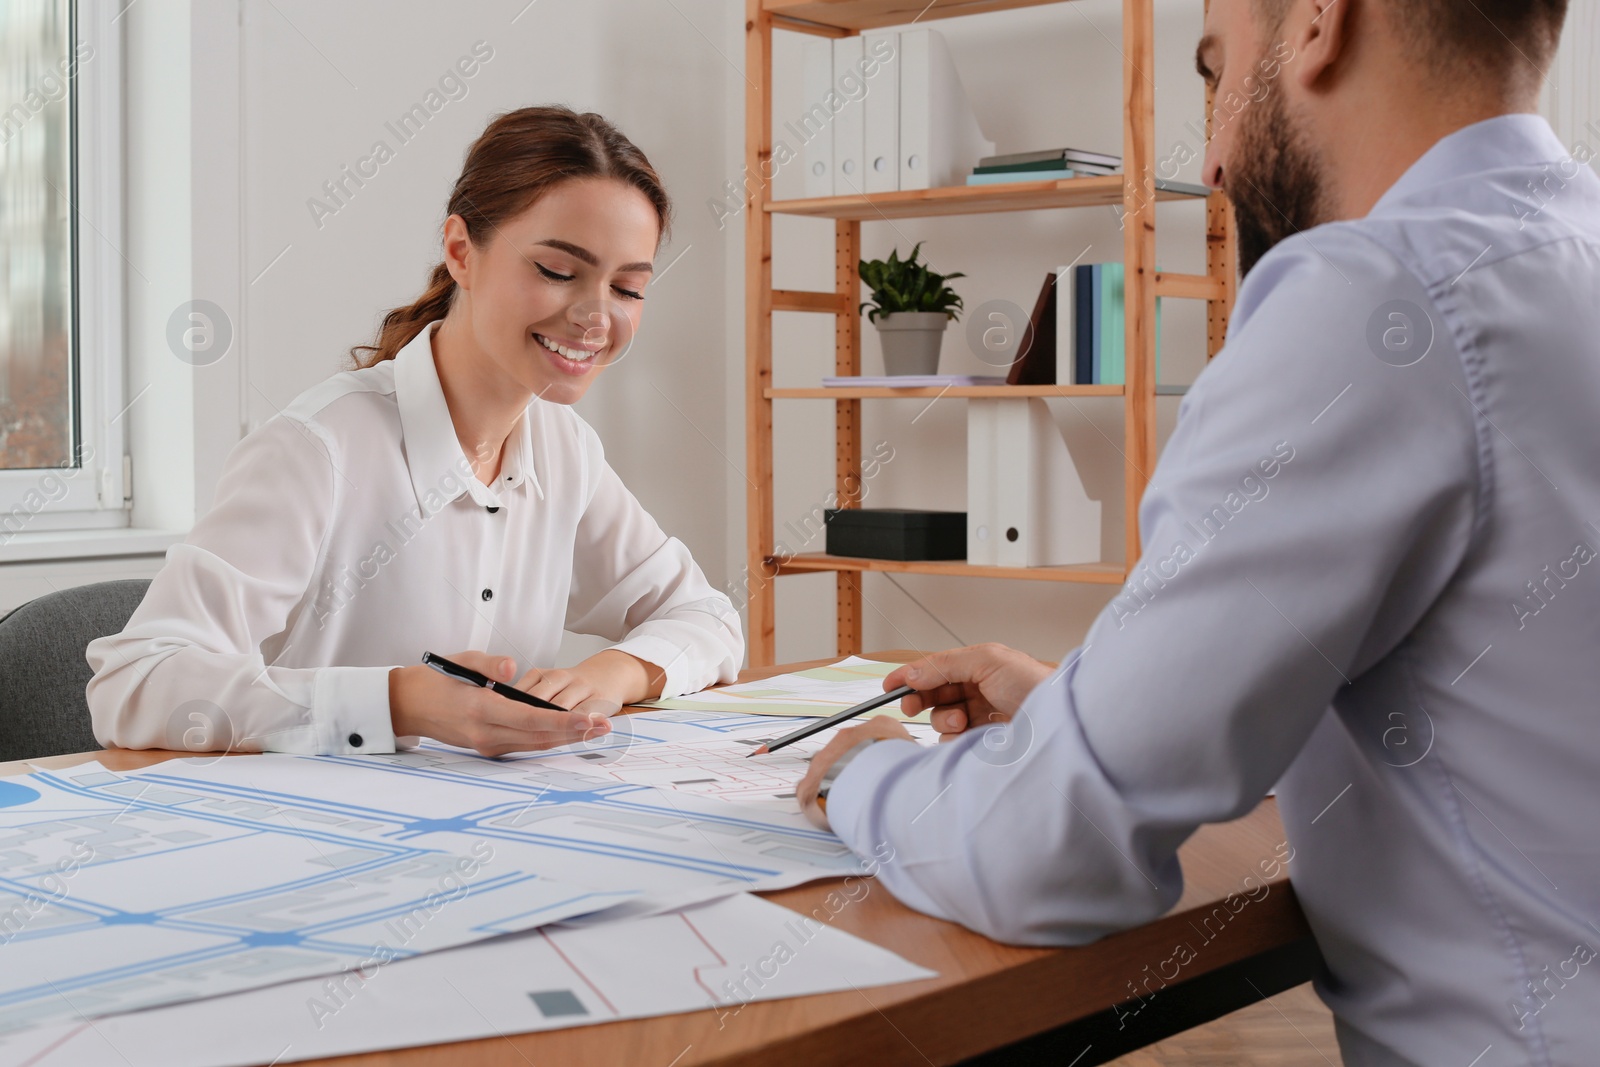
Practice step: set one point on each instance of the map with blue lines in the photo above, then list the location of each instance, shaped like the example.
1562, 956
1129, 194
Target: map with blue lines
202, 876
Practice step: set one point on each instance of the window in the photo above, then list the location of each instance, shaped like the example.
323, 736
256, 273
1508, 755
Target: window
61, 365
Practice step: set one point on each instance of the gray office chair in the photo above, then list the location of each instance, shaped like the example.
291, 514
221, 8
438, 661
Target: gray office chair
43, 672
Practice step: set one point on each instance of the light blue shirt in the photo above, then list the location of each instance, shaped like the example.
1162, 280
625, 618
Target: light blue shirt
1371, 574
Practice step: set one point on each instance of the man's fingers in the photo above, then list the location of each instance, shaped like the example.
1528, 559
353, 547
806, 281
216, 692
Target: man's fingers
949, 720
837, 746
943, 696
951, 667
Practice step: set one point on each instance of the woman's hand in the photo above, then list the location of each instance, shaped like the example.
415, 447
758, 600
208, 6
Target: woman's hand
969, 687
425, 703
600, 685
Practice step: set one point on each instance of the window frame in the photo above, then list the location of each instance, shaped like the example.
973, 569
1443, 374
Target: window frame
92, 492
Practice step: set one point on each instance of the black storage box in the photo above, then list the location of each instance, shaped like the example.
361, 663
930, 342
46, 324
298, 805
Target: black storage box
896, 533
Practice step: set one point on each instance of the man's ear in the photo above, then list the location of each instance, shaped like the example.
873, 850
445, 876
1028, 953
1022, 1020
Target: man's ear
1319, 33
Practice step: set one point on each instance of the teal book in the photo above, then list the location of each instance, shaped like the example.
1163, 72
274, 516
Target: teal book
1111, 360
1113, 309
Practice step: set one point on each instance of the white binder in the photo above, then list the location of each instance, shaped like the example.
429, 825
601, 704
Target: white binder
849, 125
816, 125
940, 140
881, 156
1026, 506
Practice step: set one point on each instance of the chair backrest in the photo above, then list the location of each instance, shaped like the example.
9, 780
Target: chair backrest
43, 672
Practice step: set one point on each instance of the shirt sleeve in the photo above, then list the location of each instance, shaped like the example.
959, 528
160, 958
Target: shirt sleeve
634, 585
1318, 493
188, 672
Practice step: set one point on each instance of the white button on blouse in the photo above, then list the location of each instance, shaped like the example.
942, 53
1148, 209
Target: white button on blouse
349, 535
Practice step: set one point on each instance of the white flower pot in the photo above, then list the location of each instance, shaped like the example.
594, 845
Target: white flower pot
911, 341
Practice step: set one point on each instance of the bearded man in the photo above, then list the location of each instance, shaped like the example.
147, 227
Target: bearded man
1371, 568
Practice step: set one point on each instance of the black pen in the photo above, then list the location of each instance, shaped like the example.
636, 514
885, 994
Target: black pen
833, 720
472, 677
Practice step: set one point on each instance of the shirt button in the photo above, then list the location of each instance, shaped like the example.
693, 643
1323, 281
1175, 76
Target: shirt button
493, 510
355, 740
488, 594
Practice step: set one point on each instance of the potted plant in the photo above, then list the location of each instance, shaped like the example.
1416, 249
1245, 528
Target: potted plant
910, 306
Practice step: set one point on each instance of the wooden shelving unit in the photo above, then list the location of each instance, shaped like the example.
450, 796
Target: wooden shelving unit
1136, 190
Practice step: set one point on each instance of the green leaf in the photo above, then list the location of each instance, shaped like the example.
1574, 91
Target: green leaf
907, 285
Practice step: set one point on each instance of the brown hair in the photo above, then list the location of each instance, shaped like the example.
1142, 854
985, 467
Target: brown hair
517, 159
1488, 37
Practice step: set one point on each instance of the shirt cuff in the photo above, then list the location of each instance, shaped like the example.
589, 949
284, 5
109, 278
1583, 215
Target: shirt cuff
659, 652
350, 711
851, 797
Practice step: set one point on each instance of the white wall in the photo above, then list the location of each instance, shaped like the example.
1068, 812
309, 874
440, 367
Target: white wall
321, 81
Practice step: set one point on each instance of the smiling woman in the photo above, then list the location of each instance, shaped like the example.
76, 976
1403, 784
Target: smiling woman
443, 495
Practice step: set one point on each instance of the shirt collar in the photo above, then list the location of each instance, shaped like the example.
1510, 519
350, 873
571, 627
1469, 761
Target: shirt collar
1493, 144
440, 471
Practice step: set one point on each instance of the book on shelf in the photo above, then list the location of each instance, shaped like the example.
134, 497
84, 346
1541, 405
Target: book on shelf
1047, 165
1066, 156
1035, 361
909, 381
1006, 177
1092, 318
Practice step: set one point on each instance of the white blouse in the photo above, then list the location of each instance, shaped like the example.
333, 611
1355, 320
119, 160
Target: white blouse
349, 535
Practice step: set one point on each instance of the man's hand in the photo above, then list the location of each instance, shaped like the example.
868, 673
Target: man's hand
969, 687
882, 728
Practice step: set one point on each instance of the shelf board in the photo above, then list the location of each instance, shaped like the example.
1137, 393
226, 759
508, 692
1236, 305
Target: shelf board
1098, 191
871, 14
1092, 573
932, 392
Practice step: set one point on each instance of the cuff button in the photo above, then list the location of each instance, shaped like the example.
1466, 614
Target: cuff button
355, 740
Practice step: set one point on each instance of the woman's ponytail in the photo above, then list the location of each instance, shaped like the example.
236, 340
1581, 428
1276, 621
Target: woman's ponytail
401, 325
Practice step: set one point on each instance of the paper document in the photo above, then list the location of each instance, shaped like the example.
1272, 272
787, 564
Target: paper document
815, 692
198, 876
717, 956
117, 893
704, 753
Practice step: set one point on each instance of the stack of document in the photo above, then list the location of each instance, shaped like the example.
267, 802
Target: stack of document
275, 908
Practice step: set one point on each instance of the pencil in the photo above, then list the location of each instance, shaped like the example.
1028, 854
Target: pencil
833, 720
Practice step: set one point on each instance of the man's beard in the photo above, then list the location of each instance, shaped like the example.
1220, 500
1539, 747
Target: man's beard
1275, 184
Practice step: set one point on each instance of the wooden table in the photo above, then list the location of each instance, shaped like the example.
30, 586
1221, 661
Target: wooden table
1234, 938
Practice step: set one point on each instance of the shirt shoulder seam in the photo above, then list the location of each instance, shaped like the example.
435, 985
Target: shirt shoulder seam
1470, 361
